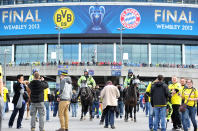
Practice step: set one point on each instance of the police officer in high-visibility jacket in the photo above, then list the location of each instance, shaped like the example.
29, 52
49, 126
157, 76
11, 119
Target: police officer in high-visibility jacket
128, 79
31, 77
88, 79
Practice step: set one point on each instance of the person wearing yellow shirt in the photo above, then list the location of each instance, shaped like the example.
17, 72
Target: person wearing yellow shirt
1, 101
191, 95
5, 98
46, 102
176, 101
183, 86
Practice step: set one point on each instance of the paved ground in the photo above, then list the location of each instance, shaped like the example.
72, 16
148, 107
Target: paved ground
76, 125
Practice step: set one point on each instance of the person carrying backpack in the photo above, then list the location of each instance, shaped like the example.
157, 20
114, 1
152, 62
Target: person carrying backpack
64, 99
74, 104
96, 103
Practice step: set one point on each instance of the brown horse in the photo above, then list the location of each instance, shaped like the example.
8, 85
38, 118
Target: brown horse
130, 98
28, 103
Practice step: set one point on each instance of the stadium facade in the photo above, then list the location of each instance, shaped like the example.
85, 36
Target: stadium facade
131, 33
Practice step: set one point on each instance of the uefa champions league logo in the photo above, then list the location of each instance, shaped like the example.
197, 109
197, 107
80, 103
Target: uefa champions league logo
130, 18
96, 14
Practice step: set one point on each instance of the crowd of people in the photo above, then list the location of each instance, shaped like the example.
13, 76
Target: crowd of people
55, 63
176, 102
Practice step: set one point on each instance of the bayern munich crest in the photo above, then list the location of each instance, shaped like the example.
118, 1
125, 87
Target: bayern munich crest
130, 18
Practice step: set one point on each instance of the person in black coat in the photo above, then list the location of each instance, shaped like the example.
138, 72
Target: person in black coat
37, 87
17, 89
159, 97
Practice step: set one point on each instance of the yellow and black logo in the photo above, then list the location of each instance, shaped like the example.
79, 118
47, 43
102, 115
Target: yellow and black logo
64, 17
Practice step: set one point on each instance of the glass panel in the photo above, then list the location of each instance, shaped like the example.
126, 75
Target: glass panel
68, 52
137, 53
105, 52
191, 54
29, 53
166, 54
7, 54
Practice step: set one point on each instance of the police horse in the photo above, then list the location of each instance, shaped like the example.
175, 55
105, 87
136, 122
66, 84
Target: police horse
130, 98
86, 97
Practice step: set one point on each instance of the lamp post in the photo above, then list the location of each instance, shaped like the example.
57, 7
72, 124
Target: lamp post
121, 48
4, 76
58, 47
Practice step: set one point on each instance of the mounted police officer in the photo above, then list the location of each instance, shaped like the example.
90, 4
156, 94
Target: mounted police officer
87, 79
127, 83
128, 78
86, 84
31, 77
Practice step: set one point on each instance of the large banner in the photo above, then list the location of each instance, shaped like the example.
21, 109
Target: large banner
93, 19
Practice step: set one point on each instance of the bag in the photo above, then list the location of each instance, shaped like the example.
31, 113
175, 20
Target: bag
26, 96
182, 107
20, 100
74, 99
50, 97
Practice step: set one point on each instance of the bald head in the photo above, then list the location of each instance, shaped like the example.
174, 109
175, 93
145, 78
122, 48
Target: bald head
174, 79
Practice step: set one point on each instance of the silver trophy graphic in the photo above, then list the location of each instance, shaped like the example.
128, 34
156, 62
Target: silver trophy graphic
96, 14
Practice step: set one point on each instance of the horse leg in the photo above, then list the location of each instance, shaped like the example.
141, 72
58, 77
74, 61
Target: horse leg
90, 112
85, 111
134, 113
131, 112
82, 111
126, 113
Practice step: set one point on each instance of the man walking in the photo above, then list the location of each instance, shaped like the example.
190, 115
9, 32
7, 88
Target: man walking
47, 101
120, 103
37, 87
159, 96
110, 95
64, 98
96, 103
184, 87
